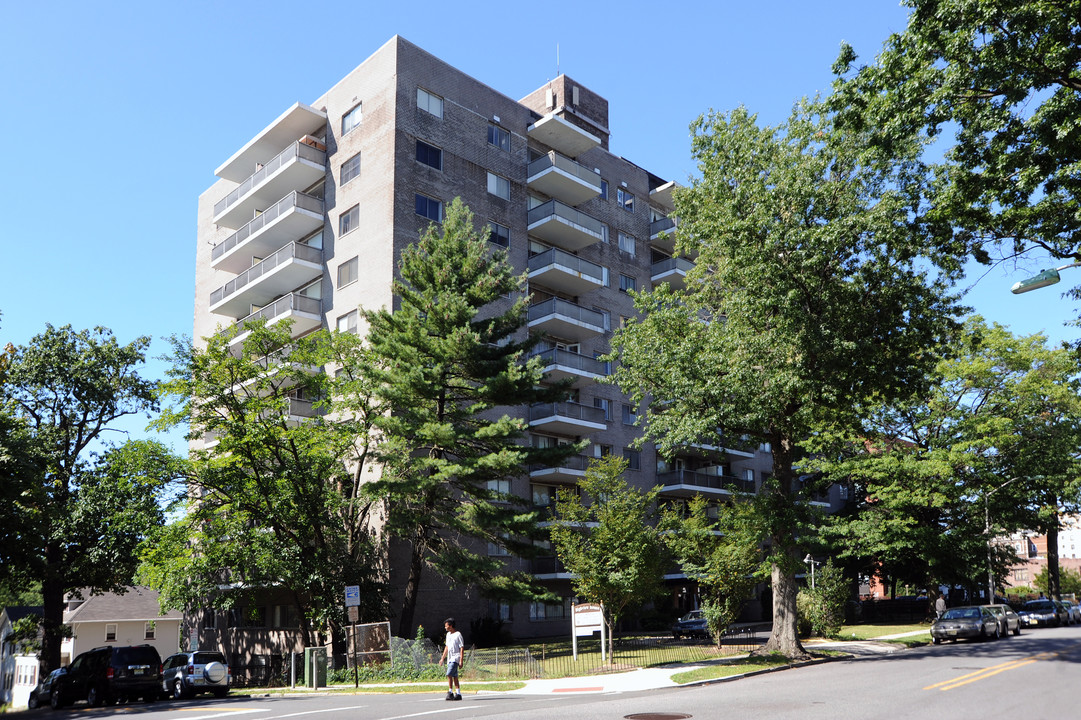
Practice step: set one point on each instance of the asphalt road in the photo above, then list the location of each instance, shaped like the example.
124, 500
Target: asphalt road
1034, 676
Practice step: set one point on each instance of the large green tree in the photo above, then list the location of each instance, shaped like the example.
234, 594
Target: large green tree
80, 507
610, 541
450, 362
812, 296
995, 85
992, 442
274, 495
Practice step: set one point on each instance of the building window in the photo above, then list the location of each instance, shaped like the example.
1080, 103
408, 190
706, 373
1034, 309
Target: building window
429, 155
351, 119
430, 103
110, 632
347, 272
627, 283
546, 611
604, 233
149, 630
633, 458
498, 234
627, 243
348, 322
604, 189
602, 451
499, 186
499, 610
499, 137
348, 220
630, 414
429, 208
496, 549
210, 619
625, 200
499, 486
604, 405
350, 169
543, 495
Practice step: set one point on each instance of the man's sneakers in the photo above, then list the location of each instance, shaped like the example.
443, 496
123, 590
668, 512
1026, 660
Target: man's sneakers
452, 696
458, 696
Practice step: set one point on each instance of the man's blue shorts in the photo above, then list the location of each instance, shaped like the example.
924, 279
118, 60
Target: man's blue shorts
452, 669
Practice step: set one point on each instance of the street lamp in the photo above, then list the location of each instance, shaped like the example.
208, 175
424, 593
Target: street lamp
1040, 280
812, 562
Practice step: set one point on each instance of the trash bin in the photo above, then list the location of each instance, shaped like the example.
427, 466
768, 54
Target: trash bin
315, 667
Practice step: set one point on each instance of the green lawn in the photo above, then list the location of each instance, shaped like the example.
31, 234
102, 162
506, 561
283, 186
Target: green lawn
730, 668
870, 631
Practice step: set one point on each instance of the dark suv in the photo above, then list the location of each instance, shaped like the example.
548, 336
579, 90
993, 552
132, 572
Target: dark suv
109, 674
189, 673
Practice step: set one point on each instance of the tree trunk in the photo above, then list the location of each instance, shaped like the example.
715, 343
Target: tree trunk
412, 587
1053, 586
784, 638
52, 613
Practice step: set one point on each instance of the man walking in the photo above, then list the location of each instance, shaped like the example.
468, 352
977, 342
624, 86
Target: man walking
452, 653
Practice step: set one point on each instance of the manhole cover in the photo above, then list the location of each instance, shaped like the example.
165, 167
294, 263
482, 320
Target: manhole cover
657, 716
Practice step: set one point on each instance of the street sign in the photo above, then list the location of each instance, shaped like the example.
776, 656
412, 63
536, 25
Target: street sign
354, 613
352, 595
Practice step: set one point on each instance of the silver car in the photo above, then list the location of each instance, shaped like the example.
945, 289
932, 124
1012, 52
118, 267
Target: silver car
1075, 610
186, 674
1008, 620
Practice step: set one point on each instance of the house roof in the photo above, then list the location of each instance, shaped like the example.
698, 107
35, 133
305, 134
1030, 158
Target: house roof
139, 603
18, 612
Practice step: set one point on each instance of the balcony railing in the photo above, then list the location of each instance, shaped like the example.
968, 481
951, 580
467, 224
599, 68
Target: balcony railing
667, 225
294, 199
286, 254
575, 463
568, 410
560, 224
555, 256
546, 566
702, 480
283, 305
575, 361
558, 176
680, 264
558, 306
297, 150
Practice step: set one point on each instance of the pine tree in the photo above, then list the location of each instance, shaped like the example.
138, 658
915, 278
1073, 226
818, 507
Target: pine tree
451, 363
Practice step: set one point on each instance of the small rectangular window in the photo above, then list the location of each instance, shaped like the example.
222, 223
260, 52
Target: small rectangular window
605, 405
627, 243
149, 630
625, 199
499, 137
630, 414
210, 619
604, 233
627, 283
347, 272
348, 220
350, 169
604, 189
110, 632
347, 322
429, 155
633, 458
351, 119
498, 234
429, 208
429, 103
499, 186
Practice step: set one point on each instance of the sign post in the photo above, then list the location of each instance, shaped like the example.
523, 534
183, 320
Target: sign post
352, 607
586, 619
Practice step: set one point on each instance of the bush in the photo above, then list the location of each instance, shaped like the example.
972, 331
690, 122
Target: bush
822, 608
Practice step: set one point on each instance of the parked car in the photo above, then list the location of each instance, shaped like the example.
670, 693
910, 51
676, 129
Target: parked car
110, 674
187, 674
1008, 620
1043, 612
1074, 609
693, 624
40, 693
968, 621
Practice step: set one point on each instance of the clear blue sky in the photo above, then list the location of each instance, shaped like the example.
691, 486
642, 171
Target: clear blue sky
114, 116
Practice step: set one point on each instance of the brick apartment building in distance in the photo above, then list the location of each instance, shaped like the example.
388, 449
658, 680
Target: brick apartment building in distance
308, 219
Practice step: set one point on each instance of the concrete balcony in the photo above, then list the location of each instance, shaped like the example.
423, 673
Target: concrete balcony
567, 418
294, 123
298, 410
662, 195
305, 312
662, 234
566, 273
563, 364
563, 319
549, 568
291, 218
560, 177
297, 167
673, 271
569, 471
558, 134
561, 225
289, 267
687, 483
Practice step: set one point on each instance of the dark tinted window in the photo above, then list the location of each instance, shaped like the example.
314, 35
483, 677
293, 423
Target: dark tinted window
137, 656
203, 658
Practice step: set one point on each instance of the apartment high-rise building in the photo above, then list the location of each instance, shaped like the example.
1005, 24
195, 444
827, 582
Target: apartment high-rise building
308, 219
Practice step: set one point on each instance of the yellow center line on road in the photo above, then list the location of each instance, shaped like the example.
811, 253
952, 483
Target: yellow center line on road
987, 672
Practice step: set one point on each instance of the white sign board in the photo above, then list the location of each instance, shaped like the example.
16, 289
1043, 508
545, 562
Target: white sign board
586, 619
352, 595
